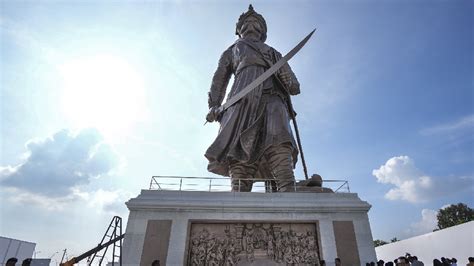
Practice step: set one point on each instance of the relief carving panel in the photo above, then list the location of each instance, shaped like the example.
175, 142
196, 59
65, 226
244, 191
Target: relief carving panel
228, 244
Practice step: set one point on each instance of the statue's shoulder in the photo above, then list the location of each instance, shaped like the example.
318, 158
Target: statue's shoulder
228, 52
268, 47
238, 43
273, 50
231, 47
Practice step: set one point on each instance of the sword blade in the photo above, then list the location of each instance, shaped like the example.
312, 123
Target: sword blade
265, 74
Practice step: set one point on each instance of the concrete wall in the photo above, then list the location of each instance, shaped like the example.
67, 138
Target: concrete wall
453, 242
13, 248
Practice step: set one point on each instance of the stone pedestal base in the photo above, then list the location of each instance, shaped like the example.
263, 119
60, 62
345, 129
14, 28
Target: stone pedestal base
245, 228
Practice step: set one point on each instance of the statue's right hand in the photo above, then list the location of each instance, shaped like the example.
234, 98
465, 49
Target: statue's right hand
213, 114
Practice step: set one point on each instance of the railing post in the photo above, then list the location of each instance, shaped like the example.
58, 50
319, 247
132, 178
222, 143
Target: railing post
210, 186
180, 183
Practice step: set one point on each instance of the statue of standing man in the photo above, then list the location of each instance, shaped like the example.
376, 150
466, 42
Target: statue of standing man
255, 139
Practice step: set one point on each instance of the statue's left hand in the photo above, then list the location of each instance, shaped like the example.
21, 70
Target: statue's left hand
213, 114
286, 79
290, 82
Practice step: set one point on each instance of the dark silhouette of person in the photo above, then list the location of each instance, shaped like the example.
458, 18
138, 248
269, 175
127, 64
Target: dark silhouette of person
445, 261
471, 261
11, 262
26, 262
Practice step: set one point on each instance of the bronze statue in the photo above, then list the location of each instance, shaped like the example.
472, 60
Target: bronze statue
255, 139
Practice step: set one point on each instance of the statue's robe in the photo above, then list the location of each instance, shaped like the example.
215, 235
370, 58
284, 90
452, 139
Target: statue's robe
258, 121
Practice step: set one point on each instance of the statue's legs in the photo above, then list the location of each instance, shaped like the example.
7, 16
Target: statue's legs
280, 161
239, 172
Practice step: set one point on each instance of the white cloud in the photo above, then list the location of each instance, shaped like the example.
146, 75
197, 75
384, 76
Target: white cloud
427, 224
445, 206
408, 180
412, 185
464, 123
101, 201
54, 169
25, 198
108, 201
54, 166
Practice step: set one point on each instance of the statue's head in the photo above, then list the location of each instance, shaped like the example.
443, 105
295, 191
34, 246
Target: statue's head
251, 24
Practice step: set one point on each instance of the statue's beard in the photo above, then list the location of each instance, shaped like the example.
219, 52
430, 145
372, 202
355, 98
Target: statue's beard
251, 29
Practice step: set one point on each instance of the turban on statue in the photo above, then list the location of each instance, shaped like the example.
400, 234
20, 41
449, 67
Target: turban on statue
259, 17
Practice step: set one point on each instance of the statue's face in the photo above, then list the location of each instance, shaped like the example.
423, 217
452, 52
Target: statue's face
251, 28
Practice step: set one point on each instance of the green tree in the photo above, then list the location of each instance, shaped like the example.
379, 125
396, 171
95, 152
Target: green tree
379, 242
454, 215
394, 240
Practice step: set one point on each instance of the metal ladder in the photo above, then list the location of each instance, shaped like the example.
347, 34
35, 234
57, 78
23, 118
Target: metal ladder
113, 231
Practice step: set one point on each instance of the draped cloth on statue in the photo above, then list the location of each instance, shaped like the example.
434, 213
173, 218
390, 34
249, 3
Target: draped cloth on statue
258, 121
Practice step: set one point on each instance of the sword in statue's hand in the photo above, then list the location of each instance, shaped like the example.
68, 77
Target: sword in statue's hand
215, 112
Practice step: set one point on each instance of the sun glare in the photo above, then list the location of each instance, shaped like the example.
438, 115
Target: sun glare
102, 91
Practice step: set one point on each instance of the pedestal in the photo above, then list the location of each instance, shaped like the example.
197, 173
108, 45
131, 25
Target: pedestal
247, 228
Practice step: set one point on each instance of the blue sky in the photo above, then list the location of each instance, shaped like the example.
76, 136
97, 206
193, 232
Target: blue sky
96, 97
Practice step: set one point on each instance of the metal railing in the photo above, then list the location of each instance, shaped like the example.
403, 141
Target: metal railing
223, 184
